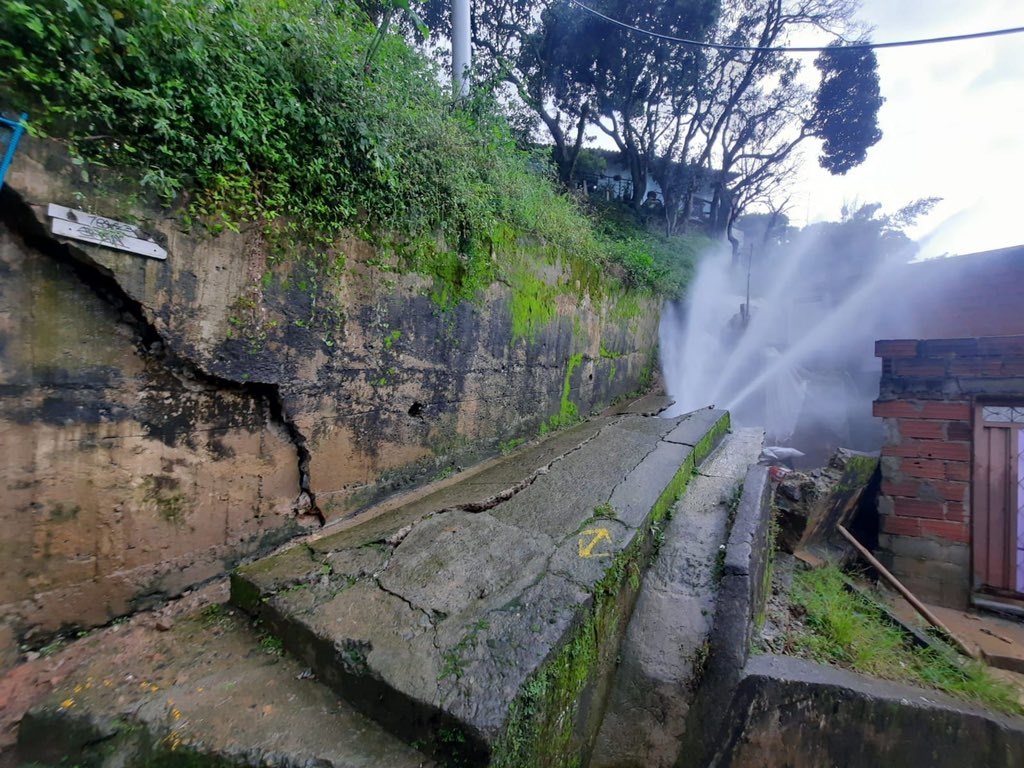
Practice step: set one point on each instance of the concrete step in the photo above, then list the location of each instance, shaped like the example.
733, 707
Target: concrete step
666, 643
483, 620
208, 691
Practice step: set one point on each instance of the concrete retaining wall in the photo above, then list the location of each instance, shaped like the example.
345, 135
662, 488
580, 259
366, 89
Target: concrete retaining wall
803, 715
160, 420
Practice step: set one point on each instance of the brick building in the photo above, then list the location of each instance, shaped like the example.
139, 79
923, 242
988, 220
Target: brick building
952, 400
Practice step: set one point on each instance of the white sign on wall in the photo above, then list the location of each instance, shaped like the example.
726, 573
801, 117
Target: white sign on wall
89, 228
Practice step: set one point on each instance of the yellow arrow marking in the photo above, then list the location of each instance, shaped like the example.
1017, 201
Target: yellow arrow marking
599, 534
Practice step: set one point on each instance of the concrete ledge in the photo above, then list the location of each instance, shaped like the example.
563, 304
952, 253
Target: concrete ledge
666, 641
789, 711
741, 596
485, 622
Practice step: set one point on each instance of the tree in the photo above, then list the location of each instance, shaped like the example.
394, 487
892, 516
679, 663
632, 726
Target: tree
756, 113
846, 252
576, 71
846, 107
636, 86
682, 114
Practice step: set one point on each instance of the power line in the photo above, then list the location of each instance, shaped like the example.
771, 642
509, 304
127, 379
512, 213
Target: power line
796, 49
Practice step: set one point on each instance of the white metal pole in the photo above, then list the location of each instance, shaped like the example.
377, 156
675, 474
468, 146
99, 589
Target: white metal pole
461, 55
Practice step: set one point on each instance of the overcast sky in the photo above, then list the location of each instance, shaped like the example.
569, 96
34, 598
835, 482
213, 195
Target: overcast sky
952, 128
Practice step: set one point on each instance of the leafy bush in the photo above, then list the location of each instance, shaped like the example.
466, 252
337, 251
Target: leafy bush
258, 109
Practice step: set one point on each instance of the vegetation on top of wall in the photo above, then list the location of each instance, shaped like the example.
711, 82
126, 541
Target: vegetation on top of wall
238, 110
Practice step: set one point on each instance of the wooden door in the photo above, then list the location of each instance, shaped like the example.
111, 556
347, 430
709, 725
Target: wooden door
998, 498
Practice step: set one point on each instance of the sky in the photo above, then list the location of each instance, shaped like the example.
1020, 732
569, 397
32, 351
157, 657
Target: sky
951, 128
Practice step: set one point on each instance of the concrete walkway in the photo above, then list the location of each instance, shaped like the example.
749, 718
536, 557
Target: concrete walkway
483, 620
665, 644
209, 691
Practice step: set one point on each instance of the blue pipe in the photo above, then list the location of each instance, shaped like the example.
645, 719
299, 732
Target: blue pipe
17, 128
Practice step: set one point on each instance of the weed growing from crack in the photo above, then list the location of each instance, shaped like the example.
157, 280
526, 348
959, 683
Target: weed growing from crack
510, 445
453, 665
272, 645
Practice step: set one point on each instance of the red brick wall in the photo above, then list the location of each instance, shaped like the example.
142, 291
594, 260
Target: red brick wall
927, 397
928, 479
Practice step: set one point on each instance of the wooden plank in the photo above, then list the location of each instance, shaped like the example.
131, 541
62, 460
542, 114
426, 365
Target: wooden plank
109, 233
920, 607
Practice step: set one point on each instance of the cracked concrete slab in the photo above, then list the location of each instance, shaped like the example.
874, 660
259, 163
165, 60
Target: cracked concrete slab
650, 405
434, 569
636, 494
433, 619
515, 472
690, 431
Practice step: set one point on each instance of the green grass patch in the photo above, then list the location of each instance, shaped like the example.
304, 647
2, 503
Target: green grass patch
506, 447
847, 628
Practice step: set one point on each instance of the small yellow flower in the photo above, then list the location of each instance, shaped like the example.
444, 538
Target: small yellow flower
67, 704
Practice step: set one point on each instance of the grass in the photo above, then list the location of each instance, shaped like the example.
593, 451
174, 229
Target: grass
848, 629
510, 445
272, 645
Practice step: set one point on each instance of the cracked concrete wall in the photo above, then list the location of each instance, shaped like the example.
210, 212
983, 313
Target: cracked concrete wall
163, 419
125, 480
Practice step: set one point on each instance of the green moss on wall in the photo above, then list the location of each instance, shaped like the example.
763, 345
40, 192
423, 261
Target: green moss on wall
533, 303
568, 412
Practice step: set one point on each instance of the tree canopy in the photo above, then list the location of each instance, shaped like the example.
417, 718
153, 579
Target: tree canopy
846, 107
680, 114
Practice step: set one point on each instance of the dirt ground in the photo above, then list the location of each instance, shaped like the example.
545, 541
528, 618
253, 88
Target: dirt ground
37, 675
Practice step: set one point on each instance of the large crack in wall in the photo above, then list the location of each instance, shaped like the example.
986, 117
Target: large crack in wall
18, 216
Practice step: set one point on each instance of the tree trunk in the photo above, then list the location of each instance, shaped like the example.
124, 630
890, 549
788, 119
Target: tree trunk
638, 174
686, 211
721, 209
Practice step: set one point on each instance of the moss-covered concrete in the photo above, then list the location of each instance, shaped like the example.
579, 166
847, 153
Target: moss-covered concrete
554, 721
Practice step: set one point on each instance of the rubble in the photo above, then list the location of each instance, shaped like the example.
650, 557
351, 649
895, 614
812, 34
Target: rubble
809, 504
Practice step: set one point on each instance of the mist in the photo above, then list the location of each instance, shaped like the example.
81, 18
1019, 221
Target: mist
800, 362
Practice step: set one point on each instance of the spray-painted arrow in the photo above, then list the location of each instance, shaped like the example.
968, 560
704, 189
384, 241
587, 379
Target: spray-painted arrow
598, 534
